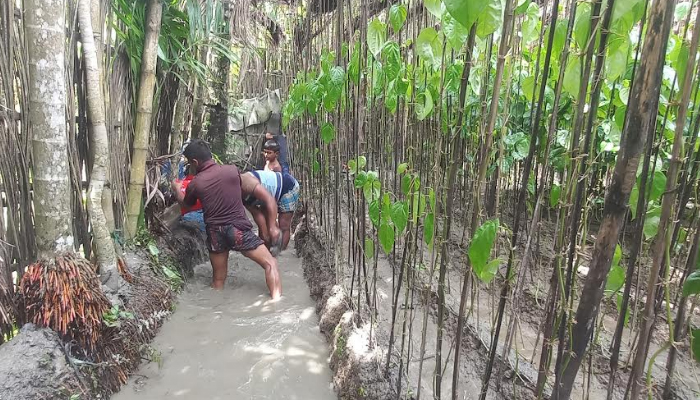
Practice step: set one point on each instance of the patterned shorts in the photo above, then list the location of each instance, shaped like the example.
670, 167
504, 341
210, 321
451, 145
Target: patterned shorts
288, 202
222, 239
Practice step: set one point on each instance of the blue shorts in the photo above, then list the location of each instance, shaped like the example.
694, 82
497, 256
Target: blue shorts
196, 217
288, 201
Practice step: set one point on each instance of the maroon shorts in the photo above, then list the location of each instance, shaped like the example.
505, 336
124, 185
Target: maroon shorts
221, 239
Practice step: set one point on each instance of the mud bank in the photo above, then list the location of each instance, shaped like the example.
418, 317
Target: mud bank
38, 364
356, 357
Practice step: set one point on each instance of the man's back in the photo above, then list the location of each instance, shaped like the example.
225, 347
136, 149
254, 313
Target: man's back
218, 187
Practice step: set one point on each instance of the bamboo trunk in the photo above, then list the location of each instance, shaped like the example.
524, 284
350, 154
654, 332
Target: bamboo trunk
643, 103
662, 239
144, 111
45, 37
102, 239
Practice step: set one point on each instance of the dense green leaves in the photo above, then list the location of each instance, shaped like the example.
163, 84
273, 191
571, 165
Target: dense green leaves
327, 133
369, 248
397, 16
480, 250
386, 237
618, 50
554, 195
424, 105
572, 76
695, 343
658, 186
651, 222
429, 46
490, 19
428, 228
521, 6
376, 37
435, 7
532, 19
679, 57
455, 33
582, 25
399, 215
466, 11
616, 277
691, 285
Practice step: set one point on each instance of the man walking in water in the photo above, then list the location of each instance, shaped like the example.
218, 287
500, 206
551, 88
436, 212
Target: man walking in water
218, 188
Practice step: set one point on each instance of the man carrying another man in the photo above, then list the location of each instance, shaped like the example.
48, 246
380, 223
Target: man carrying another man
218, 188
283, 188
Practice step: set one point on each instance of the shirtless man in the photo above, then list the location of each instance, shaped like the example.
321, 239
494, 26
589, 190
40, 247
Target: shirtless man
283, 188
218, 188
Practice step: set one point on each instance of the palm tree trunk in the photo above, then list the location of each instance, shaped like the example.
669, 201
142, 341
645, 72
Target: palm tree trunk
45, 36
643, 107
104, 247
144, 111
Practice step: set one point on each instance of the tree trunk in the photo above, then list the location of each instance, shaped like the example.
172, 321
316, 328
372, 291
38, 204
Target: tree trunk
198, 101
144, 111
97, 29
45, 36
102, 239
641, 117
662, 239
177, 134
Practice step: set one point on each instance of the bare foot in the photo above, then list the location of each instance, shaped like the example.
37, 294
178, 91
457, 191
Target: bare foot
274, 299
217, 285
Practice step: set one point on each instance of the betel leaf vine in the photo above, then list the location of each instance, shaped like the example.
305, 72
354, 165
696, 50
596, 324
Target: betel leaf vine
397, 16
327, 133
466, 11
376, 37
429, 46
480, 251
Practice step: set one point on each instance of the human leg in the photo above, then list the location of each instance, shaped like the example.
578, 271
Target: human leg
286, 207
218, 256
219, 264
261, 255
285, 221
253, 247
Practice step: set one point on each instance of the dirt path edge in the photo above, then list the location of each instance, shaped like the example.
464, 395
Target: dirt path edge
355, 358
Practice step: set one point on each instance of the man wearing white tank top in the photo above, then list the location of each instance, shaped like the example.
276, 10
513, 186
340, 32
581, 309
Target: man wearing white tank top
284, 188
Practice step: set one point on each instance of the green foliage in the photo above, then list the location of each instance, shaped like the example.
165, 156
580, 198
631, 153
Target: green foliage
480, 251
651, 222
695, 343
327, 133
399, 215
455, 33
554, 195
386, 237
466, 12
376, 37
691, 286
113, 317
582, 25
616, 278
428, 228
435, 7
429, 46
572, 76
397, 16
369, 248
490, 19
424, 105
